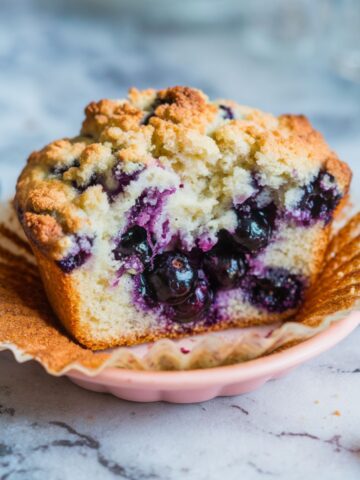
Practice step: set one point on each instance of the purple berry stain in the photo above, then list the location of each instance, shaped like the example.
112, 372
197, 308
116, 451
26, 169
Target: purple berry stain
148, 208
184, 350
79, 254
112, 184
123, 179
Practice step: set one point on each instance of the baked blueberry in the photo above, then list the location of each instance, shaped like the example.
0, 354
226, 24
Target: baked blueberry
196, 305
320, 199
227, 112
134, 242
157, 102
276, 291
253, 230
80, 252
225, 268
172, 278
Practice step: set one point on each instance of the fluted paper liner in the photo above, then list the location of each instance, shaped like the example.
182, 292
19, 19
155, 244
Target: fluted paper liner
29, 328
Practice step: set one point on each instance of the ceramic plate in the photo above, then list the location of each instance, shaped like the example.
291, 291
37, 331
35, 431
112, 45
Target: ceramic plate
200, 385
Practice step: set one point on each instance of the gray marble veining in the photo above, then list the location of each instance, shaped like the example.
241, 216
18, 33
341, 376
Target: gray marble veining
307, 425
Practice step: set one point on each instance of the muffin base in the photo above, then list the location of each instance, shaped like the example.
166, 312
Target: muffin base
64, 293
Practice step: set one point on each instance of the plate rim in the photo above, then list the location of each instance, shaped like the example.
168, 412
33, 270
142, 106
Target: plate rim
252, 369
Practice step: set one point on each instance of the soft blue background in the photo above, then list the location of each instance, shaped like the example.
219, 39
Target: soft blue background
55, 58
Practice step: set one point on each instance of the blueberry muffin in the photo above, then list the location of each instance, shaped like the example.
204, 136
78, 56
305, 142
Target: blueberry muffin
170, 214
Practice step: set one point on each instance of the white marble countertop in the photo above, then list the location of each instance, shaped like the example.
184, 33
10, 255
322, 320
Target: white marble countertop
306, 425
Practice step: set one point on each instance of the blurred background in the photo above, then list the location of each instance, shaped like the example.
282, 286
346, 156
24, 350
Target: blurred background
299, 56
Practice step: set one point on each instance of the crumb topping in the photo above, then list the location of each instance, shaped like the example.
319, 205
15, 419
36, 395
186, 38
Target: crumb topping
176, 138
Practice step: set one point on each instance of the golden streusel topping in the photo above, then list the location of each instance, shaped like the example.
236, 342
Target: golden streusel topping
210, 146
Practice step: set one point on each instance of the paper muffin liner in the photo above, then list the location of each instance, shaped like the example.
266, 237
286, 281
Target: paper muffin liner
29, 328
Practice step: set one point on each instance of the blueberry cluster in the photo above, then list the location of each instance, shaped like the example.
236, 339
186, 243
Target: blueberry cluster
185, 283
169, 278
319, 199
276, 291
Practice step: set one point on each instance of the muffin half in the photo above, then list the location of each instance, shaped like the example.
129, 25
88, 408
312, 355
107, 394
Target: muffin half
171, 214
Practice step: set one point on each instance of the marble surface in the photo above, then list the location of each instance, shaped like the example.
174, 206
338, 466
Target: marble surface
53, 60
